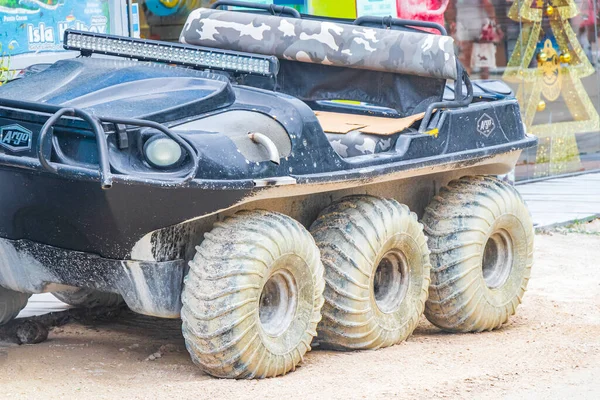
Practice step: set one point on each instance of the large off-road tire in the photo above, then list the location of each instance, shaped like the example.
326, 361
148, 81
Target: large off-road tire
11, 303
253, 296
481, 240
376, 271
88, 298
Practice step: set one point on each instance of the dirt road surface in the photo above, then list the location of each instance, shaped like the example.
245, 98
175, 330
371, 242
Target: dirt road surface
550, 349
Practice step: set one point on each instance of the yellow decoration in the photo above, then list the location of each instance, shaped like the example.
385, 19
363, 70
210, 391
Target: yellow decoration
549, 11
557, 151
541, 57
170, 3
541, 105
550, 69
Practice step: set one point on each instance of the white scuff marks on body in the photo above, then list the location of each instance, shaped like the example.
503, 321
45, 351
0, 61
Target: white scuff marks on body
366, 170
325, 35
9, 261
21, 271
142, 250
210, 29
133, 270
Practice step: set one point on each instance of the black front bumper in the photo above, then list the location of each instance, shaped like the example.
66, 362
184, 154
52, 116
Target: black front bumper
151, 288
78, 215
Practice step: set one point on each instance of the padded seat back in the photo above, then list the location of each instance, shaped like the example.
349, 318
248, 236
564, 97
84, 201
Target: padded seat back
326, 43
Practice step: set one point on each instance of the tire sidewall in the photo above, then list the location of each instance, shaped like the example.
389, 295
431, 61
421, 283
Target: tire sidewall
298, 267
417, 274
466, 217
505, 293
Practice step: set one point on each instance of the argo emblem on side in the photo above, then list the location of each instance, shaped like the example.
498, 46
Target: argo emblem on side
15, 138
485, 125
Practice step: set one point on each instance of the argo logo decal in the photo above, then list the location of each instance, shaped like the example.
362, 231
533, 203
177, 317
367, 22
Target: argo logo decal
485, 125
15, 138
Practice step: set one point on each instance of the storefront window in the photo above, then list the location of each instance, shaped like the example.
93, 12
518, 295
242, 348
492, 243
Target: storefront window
547, 51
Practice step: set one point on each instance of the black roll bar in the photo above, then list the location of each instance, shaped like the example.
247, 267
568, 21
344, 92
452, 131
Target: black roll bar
388, 22
272, 8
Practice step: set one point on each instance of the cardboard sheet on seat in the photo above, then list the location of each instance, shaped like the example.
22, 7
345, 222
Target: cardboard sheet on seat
343, 123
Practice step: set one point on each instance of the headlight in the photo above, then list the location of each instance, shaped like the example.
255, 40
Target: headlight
162, 152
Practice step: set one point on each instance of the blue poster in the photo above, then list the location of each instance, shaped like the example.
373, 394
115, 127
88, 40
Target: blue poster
29, 26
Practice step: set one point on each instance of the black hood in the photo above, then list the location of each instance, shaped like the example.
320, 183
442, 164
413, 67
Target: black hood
124, 88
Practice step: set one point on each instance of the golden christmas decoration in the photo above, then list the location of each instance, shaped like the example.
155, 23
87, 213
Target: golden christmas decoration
550, 73
557, 78
549, 11
565, 57
542, 56
541, 105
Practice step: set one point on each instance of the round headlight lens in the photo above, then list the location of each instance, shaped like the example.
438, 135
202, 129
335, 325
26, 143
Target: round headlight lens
163, 152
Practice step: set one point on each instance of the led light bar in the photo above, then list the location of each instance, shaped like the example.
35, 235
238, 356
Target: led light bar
171, 53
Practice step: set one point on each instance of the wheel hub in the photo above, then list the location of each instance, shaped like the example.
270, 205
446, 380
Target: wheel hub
278, 302
497, 259
390, 282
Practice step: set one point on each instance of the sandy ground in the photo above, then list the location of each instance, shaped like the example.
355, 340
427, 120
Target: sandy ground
550, 349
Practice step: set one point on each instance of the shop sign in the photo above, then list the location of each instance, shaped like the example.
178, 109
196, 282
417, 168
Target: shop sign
29, 26
378, 8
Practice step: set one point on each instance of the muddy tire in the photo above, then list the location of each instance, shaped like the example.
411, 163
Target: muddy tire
88, 298
481, 240
11, 303
253, 296
376, 271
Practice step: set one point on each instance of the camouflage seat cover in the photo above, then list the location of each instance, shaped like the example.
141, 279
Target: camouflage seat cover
327, 43
356, 143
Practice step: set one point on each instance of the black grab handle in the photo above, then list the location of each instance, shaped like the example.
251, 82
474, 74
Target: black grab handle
389, 22
460, 99
272, 8
105, 175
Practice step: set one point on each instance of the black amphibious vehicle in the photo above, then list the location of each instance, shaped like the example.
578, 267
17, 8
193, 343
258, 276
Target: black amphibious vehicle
264, 180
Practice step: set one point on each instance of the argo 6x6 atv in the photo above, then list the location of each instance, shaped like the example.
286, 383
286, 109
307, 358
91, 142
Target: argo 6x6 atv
222, 180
